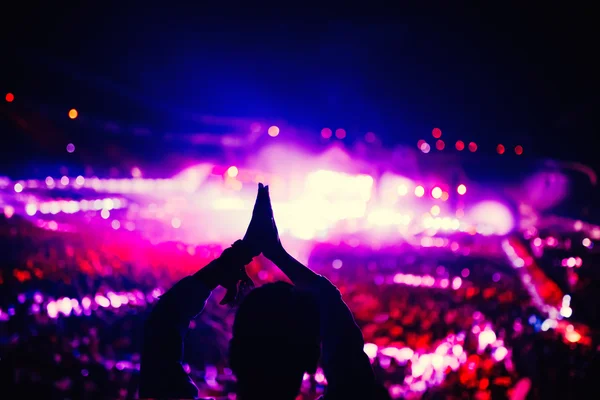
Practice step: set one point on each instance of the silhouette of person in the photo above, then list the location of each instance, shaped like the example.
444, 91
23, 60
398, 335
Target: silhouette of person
279, 333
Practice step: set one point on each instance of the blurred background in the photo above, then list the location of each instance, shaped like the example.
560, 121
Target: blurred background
438, 167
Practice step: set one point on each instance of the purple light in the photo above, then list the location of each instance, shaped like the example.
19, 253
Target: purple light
70, 148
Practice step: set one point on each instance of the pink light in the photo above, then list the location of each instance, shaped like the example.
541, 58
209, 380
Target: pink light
273, 131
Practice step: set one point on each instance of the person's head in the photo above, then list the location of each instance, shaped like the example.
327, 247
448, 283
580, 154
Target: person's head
275, 341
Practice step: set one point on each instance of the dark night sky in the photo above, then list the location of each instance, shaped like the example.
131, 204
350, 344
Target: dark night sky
513, 76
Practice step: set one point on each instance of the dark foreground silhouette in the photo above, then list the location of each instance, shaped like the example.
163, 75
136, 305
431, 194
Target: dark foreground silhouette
279, 331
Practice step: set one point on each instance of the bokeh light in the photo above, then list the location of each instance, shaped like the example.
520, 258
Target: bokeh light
437, 133
340, 133
419, 191
436, 192
500, 149
73, 113
518, 150
232, 171
472, 147
461, 189
273, 131
326, 133
9, 97
70, 148
460, 145
425, 147
440, 145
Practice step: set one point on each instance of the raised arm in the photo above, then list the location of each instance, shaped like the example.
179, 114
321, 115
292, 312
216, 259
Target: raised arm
162, 373
346, 366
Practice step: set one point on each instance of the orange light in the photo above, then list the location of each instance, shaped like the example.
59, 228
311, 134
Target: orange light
437, 133
460, 145
445, 196
326, 133
519, 150
440, 145
472, 147
436, 192
500, 149
73, 113
340, 133
461, 189
419, 191
10, 97
273, 131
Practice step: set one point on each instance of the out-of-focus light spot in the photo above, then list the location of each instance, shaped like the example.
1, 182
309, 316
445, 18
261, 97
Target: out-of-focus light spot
496, 277
435, 210
465, 273
326, 133
437, 133
175, 222
440, 145
73, 113
31, 209
571, 262
80, 180
340, 133
370, 137
425, 148
370, 350
537, 242
566, 312
420, 143
456, 283
436, 192
461, 189
70, 148
9, 97
460, 145
105, 213
18, 187
9, 211
500, 149
518, 150
136, 172
500, 353
445, 196
419, 191
115, 224
273, 131
232, 171
402, 190
64, 180
573, 336
587, 243
337, 264
472, 147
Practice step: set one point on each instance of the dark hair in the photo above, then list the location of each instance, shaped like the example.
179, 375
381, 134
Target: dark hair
275, 338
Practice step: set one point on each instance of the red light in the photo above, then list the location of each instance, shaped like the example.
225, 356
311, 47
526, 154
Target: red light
500, 149
437, 133
340, 133
440, 145
472, 147
9, 97
420, 143
519, 150
460, 145
326, 133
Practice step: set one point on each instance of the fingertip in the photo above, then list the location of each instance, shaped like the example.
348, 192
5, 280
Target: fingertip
260, 185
